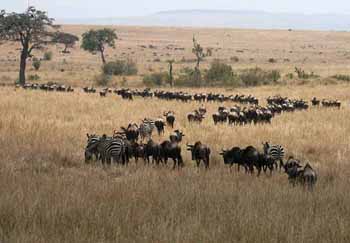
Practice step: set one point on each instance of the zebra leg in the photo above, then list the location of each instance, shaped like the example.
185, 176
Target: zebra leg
281, 164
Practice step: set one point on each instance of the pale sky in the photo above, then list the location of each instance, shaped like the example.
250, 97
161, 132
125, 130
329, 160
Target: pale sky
123, 8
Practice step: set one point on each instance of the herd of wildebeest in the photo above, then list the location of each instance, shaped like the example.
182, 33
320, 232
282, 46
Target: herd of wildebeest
135, 140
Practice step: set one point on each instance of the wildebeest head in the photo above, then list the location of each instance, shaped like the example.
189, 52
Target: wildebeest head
266, 146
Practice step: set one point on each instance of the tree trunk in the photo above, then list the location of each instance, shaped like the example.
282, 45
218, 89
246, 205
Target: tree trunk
103, 57
22, 67
171, 74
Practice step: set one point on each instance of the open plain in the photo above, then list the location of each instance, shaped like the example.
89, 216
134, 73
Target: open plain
49, 194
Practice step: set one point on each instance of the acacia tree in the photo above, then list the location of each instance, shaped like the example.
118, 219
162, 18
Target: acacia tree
198, 51
67, 39
97, 40
32, 29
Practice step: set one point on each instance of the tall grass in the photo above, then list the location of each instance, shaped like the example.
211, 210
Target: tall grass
48, 193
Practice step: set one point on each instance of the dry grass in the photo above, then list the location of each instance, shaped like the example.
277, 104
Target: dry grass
48, 194
325, 53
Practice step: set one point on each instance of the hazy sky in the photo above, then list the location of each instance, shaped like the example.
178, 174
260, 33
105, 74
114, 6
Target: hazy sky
118, 8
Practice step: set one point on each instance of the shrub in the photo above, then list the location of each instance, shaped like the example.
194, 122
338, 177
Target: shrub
156, 79
102, 79
272, 60
342, 77
290, 75
220, 73
36, 63
48, 56
120, 67
189, 77
34, 77
234, 59
304, 75
257, 76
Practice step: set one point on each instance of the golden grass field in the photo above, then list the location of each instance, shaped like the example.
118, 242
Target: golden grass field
325, 53
48, 193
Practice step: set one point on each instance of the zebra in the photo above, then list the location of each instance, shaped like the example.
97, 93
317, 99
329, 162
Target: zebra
91, 147
146, 128
112, 148
275, 152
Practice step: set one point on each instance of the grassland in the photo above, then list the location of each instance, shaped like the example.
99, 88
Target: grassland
48, 193
324, 53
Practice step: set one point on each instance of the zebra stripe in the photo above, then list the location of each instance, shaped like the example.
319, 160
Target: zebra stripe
146, 128
276, 152
92, 145
112, 148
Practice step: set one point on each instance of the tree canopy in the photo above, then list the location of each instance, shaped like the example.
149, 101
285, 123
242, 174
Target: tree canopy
97, 40
32, 29
67, 39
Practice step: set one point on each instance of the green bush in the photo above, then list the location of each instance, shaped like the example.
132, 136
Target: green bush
48, 56
342, 77
120, 67
36, 63
257, 76
102, 79
156, 79
220, 73
190, 78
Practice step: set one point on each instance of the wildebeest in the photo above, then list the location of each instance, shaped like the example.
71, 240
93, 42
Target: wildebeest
153, 149
200, 152
170, 118
233, 156
306, 176
160, 124
172, 150
176, 136
131, 132
195, 116
139, 151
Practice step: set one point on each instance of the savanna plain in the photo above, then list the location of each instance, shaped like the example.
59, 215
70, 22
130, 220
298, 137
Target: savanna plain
49, 194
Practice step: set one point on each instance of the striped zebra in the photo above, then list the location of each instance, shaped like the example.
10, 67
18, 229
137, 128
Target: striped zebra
275, 152
112, 148
91, 147
146, 128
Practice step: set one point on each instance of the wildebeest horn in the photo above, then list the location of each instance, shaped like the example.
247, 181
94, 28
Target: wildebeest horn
88, 135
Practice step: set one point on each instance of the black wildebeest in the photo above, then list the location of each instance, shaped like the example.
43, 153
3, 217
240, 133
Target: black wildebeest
176, 136
160, 124
233, 156
195, 116
306, 176
131, 132
200, 152
170, 118
172, 150
153, 149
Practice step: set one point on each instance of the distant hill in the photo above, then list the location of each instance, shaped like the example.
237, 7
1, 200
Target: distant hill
228, 18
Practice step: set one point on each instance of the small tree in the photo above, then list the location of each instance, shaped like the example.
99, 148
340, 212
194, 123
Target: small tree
67, 39
198, 51
171, 77
97, 40
31, 29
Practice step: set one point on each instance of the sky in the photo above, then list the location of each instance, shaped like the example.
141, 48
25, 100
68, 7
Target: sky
128, 8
